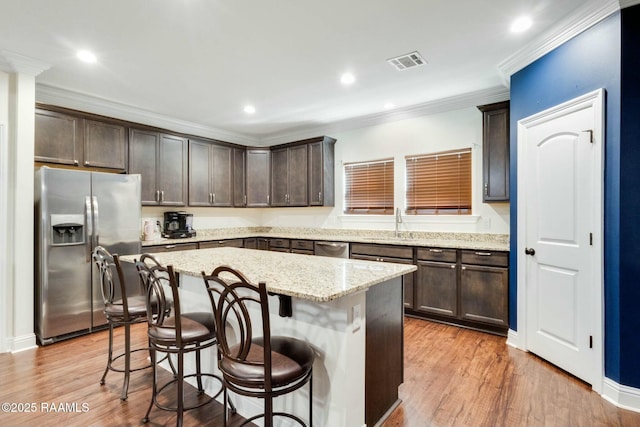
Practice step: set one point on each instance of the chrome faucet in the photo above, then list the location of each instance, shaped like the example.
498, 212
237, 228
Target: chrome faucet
398, 221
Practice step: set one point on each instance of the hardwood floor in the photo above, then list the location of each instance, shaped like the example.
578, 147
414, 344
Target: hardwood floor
453, 377
69, 373
459, 377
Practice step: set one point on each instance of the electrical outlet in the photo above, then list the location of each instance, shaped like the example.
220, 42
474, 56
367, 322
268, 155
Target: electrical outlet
356, 312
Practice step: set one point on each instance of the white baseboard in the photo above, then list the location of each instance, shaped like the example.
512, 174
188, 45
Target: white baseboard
621, 395
24, 342
512, 339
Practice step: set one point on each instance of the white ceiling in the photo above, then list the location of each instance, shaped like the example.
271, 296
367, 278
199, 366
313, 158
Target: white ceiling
196, 63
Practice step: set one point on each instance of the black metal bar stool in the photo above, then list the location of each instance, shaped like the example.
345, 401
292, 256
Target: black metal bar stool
124, 311
262, 366
176, 335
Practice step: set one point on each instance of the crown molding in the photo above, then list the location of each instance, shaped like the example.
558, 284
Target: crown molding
52, 95
471, 99
580, 20
12, 62
628, 3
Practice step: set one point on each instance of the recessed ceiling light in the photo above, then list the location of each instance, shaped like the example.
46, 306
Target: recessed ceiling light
347, 79
86, 56
521, 24
389, 105
249, 109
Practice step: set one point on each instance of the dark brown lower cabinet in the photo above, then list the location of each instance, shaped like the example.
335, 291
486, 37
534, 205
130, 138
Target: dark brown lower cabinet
169, 247
436, 288
484, 294
229, 243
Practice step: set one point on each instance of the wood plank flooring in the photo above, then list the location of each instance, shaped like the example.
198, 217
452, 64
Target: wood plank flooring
459, 377
453, 377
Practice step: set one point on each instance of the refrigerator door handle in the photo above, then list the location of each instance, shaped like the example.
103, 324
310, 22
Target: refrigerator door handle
89, 220
95, 221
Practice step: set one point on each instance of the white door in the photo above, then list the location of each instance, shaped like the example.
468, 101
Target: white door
561, 252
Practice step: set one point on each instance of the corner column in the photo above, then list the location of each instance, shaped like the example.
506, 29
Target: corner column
17, 115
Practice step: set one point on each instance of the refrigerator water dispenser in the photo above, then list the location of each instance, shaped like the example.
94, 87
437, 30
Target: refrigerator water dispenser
67, 230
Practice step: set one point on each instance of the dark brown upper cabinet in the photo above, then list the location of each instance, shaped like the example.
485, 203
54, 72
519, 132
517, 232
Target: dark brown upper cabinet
289, 176
239, 177
321, 171
258, 179
495, 152
161, 160
74, 140
210, 174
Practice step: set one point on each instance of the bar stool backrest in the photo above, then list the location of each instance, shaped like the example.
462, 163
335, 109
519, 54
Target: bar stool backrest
232, 298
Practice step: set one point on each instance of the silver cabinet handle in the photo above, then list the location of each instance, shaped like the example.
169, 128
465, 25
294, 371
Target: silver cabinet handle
486, 189
268, 199
213, 198
483, 253
158, 196
75, 162
86, 163
464, 268
161, 195
170, 246
245, 199
436, 251
319, 196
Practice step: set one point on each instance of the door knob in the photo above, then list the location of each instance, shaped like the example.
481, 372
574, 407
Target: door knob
529, 251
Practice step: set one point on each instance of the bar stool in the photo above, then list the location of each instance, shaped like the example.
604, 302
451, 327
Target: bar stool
177, 335
257, 366
124, 311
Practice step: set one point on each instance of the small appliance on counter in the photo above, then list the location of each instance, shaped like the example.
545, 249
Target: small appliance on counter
178, 225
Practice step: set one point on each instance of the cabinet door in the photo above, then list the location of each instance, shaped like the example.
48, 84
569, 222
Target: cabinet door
239, 170
279, 177
199, 174
484, 293
143, 146
105, 145
436, 288
58, 138
316, 175
221, 161
258, 178
298, 176
495, 152
172, 170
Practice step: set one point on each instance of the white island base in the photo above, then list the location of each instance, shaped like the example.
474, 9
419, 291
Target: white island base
337, 330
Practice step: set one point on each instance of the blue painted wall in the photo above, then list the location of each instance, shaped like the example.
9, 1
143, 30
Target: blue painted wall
589, 61
629, 239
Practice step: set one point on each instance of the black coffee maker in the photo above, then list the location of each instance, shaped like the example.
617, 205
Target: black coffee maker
178, 225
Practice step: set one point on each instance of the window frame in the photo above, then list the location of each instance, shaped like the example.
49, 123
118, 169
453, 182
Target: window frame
377, 178
451, 197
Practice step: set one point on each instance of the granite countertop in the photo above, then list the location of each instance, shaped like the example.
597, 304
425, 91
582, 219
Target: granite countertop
474, 241
317, 279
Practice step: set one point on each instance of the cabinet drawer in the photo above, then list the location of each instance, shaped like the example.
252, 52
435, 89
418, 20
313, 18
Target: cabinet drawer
170, 248
279, 243
384, 251
302, 244
231, 243
498, 259
437, 254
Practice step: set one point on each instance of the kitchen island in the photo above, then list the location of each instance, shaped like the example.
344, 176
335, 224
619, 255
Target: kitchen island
349, 311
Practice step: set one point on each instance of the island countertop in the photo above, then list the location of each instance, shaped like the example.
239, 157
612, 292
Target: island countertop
317, 279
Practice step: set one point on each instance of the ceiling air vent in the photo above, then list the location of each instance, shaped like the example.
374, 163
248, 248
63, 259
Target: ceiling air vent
409, 60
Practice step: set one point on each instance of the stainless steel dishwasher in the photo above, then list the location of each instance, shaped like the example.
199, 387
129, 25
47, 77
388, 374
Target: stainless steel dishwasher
331, 249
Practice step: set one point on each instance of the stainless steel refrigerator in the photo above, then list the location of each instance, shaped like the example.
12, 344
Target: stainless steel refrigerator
74, 212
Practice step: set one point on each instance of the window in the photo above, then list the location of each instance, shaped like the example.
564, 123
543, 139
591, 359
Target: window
439, 183
369, 187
